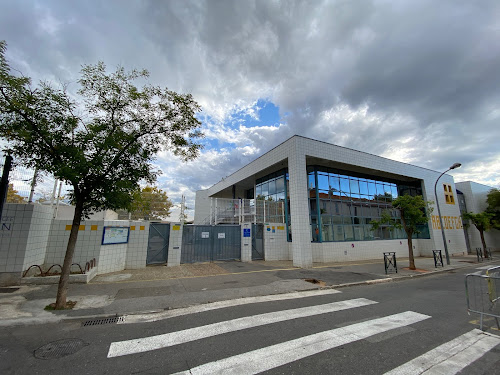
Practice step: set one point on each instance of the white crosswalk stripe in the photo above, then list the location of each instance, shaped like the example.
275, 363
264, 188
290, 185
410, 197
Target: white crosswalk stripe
273, 356
144, 318
485, 267
451, 357
169, 339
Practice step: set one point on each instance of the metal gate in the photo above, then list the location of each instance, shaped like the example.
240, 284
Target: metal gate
257, 241
204, 243
158, 243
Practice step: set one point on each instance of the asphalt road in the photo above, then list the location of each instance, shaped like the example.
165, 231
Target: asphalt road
436, 305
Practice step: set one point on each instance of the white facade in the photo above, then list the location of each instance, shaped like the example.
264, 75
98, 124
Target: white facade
475, 201
30, 236
296, 154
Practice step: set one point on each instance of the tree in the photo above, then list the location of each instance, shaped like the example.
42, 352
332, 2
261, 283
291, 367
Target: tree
13, 197
493, 200
414, 211
105, 152
150, 203
483, 222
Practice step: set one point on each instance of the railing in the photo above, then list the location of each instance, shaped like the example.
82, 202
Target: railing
483, 294
238, 211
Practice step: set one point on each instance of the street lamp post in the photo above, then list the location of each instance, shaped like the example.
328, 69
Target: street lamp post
456, 165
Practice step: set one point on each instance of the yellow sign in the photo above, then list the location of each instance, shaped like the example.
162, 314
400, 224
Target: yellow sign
449, 222
176, 227
281, 228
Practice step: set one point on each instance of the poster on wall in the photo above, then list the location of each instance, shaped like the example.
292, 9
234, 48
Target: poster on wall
115, 235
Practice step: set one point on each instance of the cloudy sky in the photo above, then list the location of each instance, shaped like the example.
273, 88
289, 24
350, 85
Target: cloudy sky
414, 81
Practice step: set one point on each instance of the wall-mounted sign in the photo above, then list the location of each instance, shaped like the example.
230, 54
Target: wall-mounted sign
221, 235
115, 235
176, 227
205, 234
246, 232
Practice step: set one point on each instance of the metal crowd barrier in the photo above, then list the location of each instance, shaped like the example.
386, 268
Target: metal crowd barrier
483, 294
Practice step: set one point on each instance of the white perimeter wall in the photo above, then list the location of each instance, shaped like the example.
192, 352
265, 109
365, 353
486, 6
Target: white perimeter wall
110, 258
275, 244
30, 236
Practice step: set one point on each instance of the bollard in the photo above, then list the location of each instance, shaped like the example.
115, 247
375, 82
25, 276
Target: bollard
438, 258
390, 262
479, 253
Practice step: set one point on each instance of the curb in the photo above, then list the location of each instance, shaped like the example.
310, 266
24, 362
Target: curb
394, 279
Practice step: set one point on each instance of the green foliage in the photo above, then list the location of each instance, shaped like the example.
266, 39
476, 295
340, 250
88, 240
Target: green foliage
482, 220
493, 200
414, 211
105, 152
150, 203
13, 197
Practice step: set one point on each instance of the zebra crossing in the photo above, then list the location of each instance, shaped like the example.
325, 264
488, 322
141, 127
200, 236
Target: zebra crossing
448, 358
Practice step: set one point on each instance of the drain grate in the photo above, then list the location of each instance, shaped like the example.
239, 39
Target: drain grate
59, 349
100, 322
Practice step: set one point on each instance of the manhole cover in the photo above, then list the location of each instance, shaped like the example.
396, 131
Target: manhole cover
59, 349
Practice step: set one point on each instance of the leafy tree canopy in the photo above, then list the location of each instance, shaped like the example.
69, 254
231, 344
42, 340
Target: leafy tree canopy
414, 211
493, 200
150, 203
102, 143
483, 222
106, 151
13, 196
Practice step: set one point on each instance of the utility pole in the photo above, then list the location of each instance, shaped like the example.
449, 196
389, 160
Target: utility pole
4, 183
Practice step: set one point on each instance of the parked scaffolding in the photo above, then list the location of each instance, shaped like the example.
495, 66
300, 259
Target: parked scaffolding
238, 211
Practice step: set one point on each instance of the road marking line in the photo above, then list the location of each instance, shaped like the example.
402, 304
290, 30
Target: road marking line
485, 320
153, 317
145, 344
451, 357
273, 356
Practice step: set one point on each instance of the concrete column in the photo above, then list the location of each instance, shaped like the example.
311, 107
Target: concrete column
246, 242
175, 245
299, 207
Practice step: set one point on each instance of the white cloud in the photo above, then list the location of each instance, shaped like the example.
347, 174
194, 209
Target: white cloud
416, 81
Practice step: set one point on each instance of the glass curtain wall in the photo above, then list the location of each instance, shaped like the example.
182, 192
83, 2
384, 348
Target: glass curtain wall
274, 187
341, 206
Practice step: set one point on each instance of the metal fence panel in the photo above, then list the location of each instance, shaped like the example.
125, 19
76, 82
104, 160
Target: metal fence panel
204, 243
158, 238
257, 241
483, 294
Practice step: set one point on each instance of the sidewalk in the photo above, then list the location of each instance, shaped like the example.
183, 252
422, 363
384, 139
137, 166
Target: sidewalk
160, 288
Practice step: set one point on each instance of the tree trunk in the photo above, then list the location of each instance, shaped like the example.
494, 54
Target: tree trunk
62, 289
481, 233
410, 251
